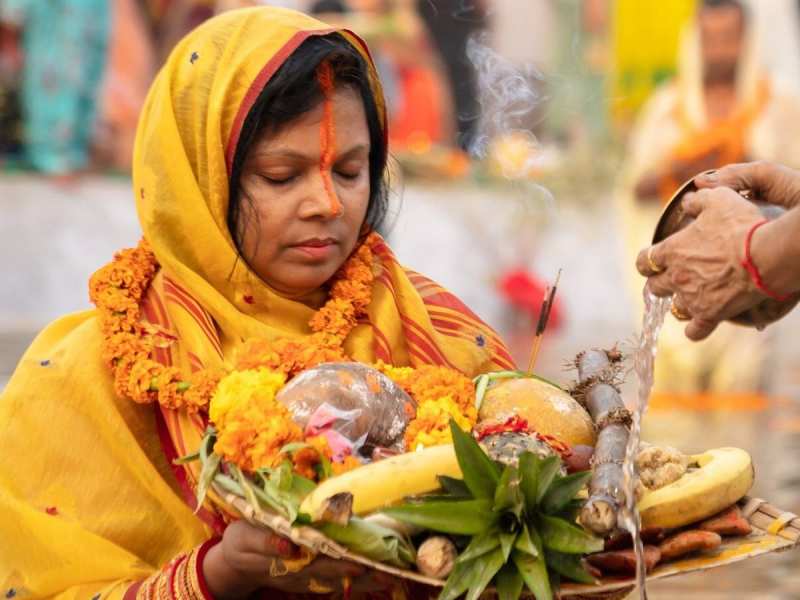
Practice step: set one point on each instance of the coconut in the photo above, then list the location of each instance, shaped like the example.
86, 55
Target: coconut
547, 409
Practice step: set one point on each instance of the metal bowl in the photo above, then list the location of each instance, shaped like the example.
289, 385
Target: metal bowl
673, 219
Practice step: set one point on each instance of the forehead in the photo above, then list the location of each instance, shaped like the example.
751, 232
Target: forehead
721, 18
349, 124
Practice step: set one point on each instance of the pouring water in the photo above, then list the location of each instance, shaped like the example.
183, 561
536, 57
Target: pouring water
644, 359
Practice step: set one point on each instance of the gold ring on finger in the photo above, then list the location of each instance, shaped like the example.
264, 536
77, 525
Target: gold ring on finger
679, 314
278, 568
651, 263
316, 587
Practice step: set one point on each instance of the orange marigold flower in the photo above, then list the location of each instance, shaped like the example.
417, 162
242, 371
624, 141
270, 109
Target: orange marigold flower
143, 375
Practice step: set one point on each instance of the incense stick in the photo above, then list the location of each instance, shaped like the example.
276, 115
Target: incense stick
541, 325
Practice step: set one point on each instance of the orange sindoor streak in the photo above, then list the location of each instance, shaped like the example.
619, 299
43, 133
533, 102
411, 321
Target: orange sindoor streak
327, 134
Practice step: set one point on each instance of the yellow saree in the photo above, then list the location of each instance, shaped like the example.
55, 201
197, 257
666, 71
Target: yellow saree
90, 503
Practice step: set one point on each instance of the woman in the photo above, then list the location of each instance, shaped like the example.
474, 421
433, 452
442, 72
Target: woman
258, 173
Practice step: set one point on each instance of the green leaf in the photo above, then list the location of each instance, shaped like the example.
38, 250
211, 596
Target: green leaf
568, 565
486, 567
534, 573
509, 583
524, 543
454, 487
479, 545
187, 459
459, 581
247, 487
547, 472
293, 447
461, 517
507, 495
207, 474
301, 487
571, 511
480, 474
529, 468
373, 541
562, 536
282, 476
563, 490
482, 382
324, 468
507, 544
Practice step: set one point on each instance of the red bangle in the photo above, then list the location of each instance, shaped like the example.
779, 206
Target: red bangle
752, 269
201, 554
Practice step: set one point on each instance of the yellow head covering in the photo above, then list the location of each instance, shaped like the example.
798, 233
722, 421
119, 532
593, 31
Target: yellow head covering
185, 144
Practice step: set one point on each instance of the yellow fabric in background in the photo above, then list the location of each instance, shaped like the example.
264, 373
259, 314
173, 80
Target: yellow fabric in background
645, 34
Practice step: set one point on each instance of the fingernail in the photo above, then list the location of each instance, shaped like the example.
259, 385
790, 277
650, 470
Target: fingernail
712, 176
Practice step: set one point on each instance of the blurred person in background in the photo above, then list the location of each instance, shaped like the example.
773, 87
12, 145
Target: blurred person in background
10, 72
451, 23
131, 64
63, 45
721, 108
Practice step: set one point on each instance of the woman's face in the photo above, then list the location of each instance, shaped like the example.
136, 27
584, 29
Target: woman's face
304, 198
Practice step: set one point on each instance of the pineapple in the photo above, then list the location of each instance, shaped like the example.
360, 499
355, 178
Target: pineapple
519, 520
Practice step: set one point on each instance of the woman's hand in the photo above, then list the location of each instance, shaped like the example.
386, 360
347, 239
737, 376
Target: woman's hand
701, 264
767, 182
249, 558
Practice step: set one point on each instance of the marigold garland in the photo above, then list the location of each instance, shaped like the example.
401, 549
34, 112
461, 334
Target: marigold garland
252, 427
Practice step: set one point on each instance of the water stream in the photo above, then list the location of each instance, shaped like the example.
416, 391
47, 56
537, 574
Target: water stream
643, 361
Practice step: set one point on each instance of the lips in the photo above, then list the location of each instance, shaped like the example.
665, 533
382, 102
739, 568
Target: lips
315, 243
316, 248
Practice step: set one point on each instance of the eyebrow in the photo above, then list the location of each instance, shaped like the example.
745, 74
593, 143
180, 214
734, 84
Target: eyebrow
288, 153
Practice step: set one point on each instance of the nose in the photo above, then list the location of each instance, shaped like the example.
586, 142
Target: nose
322, 200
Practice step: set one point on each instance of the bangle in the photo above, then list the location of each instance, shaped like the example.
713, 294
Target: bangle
181, 579
752, 269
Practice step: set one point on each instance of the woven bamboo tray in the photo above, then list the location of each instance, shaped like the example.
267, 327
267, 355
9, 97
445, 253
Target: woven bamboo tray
774, 530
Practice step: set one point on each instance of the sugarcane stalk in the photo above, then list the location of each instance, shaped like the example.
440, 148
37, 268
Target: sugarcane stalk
598, 370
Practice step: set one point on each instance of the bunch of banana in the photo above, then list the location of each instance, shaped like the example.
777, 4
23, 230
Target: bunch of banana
722, 477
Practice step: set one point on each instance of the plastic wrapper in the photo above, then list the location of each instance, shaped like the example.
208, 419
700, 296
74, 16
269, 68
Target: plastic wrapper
352, 405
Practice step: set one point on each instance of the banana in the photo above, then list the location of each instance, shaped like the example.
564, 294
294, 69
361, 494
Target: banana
386, 482
724, 477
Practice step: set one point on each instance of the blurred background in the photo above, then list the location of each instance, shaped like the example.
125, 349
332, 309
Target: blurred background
528, 137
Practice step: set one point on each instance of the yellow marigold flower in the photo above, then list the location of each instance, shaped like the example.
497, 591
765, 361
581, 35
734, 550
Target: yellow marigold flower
239, 390
432, 423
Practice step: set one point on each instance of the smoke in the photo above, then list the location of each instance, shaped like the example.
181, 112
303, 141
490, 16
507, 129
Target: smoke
509, 101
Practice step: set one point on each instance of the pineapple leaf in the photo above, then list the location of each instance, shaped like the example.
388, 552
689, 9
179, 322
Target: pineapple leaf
547, 473
460, 517
534, 573
524, 543
563, 490
507, 544
509, 583
571, 511
529, 467
507, 495
459, 581
479, 545
486, 568
562, 536
568, 565
454, 487
480, 474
